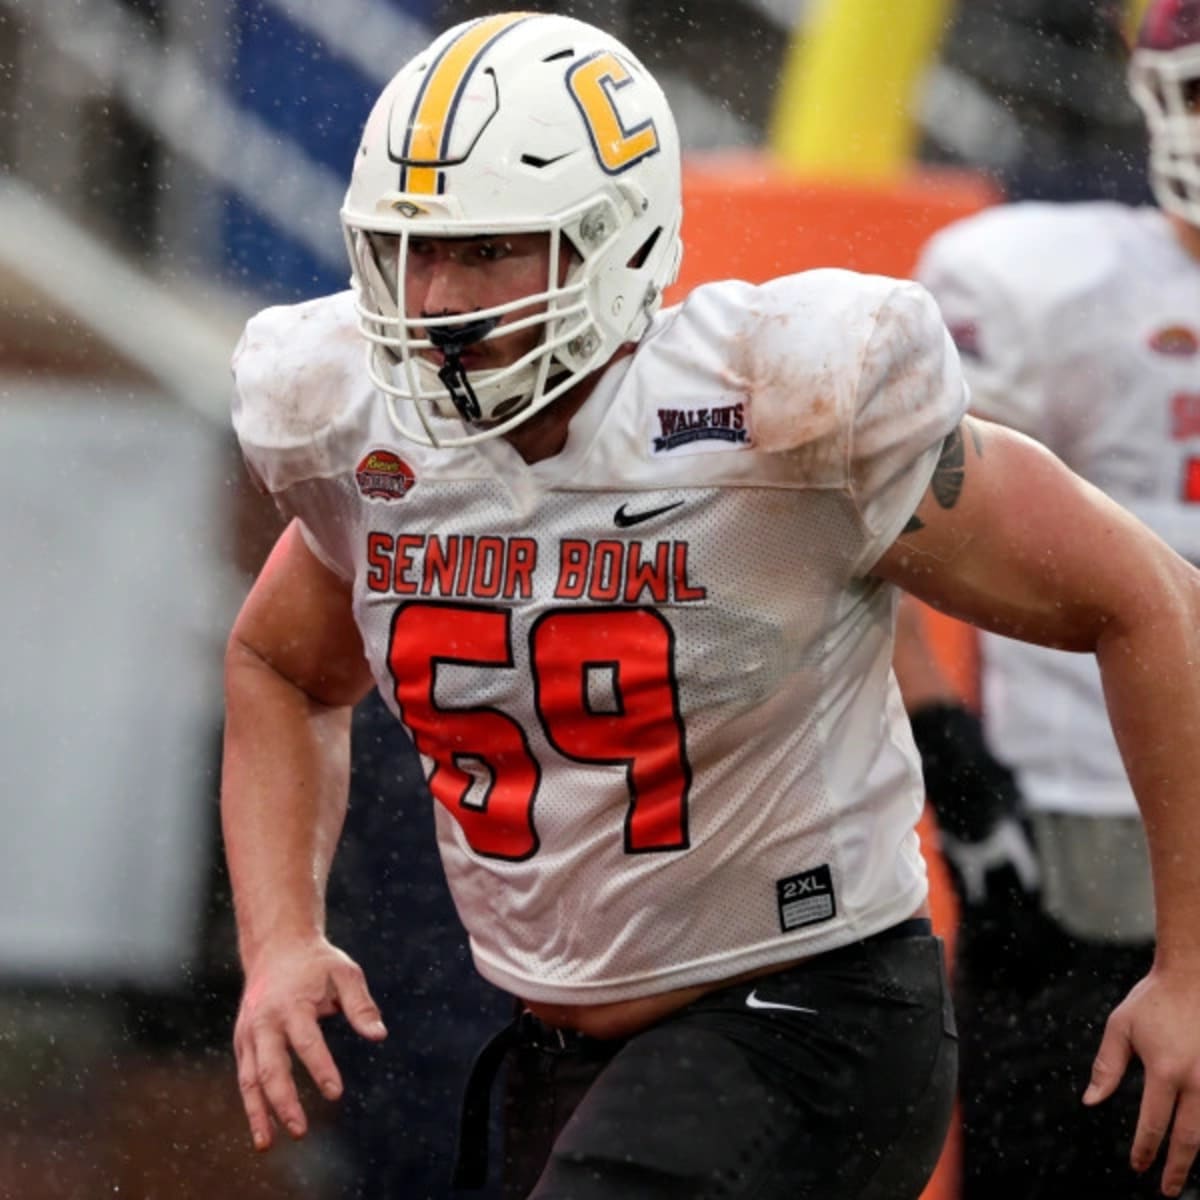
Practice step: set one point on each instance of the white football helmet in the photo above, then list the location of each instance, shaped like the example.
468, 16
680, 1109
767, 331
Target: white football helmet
1164, 78
513, 123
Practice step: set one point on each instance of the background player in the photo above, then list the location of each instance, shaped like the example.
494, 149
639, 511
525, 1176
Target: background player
1076, 325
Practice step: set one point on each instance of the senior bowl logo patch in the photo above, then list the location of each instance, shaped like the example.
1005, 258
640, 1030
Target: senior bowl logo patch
383, 475
1177, 341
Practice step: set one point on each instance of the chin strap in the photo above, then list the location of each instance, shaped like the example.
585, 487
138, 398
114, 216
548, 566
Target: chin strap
452, 340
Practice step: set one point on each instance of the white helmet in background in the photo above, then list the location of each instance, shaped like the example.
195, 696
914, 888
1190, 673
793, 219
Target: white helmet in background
513, 123
1164, 78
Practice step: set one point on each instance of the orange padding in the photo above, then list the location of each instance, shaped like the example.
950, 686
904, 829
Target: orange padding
748, 217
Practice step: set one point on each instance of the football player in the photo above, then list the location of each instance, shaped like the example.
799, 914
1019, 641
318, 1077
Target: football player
1079, 325
627, 576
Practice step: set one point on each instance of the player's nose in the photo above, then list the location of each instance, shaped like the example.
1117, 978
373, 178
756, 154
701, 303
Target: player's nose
446, 289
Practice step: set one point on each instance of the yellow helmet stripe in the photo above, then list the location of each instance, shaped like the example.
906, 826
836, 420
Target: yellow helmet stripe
428, 138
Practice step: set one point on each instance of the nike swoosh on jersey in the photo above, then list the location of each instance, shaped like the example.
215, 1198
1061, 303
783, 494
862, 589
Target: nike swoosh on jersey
624, 519
752, 1001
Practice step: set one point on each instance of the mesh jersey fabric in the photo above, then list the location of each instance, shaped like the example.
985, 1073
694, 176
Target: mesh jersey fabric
649, 676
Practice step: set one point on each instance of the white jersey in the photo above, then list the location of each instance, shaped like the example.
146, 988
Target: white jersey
649, 677
1080, 326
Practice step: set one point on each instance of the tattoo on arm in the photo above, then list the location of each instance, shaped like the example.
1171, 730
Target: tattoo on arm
948, 475
947, 481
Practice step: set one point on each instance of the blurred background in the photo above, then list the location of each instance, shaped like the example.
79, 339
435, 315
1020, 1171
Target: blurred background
167, 167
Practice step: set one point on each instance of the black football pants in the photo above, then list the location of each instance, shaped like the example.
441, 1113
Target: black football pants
1032, 1002
843, 1092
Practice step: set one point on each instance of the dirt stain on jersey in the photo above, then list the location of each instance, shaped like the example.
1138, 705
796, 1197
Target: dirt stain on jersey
792, 402
905, 388
300, 394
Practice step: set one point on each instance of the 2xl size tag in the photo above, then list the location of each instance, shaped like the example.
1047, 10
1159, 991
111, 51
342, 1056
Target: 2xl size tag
805, 899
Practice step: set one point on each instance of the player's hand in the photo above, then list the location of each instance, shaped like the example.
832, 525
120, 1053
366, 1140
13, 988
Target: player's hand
984, 836
998, 869
1159, 1021
288, 990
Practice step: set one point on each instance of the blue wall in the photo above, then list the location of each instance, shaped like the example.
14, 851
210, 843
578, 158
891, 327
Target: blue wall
292, 82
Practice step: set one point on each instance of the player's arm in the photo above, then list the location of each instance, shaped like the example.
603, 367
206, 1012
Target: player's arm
1010, 540
294, 669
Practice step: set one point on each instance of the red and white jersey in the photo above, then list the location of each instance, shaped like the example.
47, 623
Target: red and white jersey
649, 676
1080, 326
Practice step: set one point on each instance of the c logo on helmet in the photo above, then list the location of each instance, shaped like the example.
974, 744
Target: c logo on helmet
594, 84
